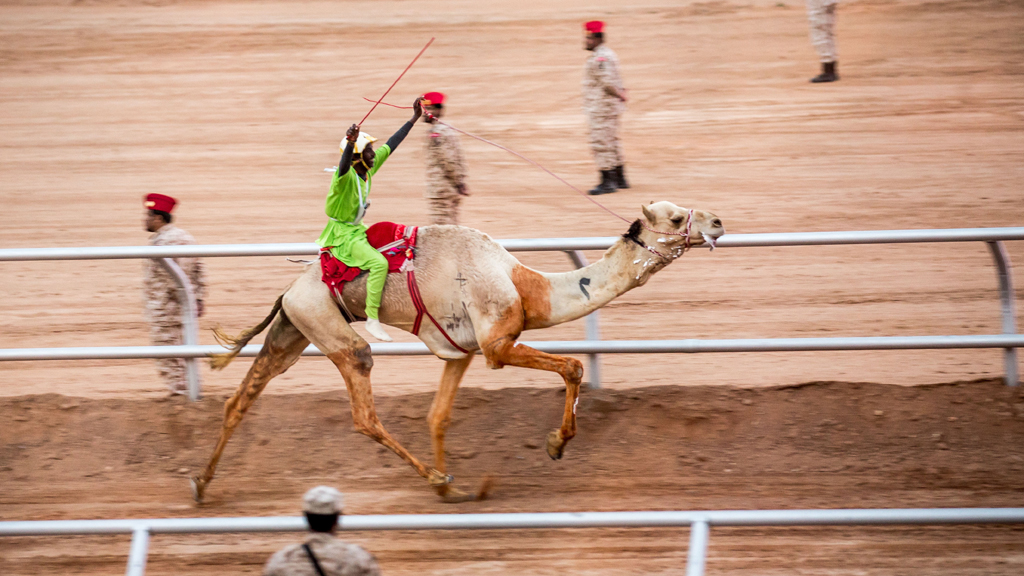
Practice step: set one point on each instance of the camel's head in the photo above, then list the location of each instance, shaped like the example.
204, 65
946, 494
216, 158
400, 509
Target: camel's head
673, 221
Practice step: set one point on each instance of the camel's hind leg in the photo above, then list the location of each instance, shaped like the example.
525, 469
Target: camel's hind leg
320, 321
282, 348
505, 351
439, 419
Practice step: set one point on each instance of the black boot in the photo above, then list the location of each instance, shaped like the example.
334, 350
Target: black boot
828, 73
620, 178
607, 185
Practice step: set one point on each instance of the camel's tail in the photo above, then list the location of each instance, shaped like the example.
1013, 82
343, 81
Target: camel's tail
236, 343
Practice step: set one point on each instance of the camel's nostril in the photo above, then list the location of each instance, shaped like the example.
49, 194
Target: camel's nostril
716, 222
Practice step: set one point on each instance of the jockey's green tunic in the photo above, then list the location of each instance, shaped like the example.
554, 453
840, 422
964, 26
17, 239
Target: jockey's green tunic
345, 233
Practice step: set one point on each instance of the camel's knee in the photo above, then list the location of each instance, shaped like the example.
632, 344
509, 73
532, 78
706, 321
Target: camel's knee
362, 360
371, 428
357, 361
573, 371
438, 423
496, 352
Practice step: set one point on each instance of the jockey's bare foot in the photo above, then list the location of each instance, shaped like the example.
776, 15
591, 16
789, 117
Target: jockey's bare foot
374, 327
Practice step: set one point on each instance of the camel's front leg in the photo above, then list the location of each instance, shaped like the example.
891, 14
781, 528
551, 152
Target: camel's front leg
505, 351
439, 419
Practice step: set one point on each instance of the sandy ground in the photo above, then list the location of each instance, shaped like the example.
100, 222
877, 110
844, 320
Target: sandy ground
825, 445
236, 108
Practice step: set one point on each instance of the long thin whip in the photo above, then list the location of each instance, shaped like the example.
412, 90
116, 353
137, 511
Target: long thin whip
689, 220
396, 81
514, 153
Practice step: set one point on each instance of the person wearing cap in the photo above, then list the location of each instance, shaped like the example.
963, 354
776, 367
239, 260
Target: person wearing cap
322, 554
347, 201
446, 172
604, 99
160, 291
822, 15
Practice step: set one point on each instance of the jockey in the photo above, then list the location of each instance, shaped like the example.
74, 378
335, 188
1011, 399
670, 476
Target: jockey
347, 201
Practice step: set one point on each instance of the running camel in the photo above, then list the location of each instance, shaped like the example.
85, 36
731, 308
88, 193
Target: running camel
484, 299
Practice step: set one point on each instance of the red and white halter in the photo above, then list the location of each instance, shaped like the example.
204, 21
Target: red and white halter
678, 251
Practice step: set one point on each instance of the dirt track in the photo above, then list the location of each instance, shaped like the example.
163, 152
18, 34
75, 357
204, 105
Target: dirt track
235, 108
828, 445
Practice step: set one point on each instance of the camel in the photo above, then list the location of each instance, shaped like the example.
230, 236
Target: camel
483, 297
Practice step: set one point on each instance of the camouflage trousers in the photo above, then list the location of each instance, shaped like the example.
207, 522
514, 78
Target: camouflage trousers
822, 15
444, 210
604, 140
172, 370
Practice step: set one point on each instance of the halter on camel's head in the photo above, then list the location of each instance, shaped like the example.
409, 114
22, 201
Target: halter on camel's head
675, 229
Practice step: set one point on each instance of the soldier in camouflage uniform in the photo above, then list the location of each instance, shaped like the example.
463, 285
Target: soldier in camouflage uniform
604, 99
322, 554
446, 172
822, 14
163, 308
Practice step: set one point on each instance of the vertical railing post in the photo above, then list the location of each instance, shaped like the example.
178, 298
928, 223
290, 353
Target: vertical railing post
189, 324
1006, 297
699, 536
593, 332
139, 552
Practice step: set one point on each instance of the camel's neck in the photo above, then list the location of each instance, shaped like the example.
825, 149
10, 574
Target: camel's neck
623, 267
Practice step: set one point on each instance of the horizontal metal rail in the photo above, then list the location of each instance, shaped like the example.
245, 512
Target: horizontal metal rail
525, 245
699, 521
994, 237
526, 520
556, 347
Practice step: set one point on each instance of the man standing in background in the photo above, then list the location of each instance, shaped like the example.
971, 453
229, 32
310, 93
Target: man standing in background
446, 172
163, 307
322, 554
604, 99
822, 14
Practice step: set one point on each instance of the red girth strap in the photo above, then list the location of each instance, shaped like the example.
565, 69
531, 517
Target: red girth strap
421, 309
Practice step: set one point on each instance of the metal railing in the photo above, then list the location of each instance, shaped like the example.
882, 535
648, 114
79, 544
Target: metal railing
592, 346
700, 523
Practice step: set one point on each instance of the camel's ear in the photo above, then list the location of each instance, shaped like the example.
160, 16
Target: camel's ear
648, 214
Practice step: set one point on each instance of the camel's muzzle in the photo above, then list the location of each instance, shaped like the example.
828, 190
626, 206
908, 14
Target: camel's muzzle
711, 240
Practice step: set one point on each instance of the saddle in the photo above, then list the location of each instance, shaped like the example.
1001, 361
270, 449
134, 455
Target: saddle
397, 242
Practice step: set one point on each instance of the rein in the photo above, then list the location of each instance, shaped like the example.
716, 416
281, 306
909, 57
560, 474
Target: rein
689, 218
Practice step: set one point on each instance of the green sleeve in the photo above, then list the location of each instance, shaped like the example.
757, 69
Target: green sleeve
380, 155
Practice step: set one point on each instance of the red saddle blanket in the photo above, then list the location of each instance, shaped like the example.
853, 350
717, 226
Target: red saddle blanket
396, 241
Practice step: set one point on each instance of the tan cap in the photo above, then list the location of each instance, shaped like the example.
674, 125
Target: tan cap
322, 500
361, 141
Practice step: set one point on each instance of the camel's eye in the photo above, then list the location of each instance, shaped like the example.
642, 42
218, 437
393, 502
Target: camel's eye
677, 220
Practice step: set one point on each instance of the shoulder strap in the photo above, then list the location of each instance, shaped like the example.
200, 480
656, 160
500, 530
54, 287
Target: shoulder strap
312, 558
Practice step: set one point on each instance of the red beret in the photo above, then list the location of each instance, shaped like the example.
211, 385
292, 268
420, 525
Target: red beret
433, 98
594, 26
160, 202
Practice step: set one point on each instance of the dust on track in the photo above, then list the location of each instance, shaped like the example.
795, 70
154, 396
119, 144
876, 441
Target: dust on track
819, 445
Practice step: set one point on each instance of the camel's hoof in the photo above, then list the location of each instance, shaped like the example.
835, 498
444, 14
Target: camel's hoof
198, 488
452, 495
555, 445
485, 487
439, 480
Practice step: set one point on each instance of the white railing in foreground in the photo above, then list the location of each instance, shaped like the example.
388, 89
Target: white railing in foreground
700, 523
592, 346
